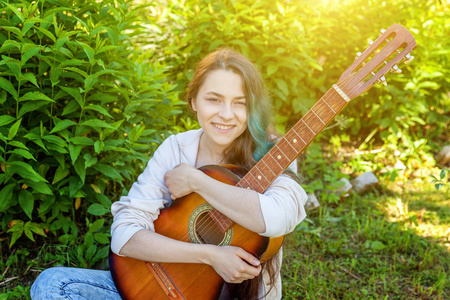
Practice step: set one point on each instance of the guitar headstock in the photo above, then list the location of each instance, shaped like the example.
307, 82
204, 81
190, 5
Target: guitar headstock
392, 47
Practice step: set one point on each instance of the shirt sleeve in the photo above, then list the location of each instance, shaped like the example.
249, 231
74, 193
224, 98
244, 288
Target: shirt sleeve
283, 206
140, 208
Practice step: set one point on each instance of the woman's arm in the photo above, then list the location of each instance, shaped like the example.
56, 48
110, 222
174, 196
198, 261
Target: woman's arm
274, 213
233, 264
240, 205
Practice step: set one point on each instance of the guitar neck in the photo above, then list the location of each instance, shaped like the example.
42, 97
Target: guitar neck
286, 150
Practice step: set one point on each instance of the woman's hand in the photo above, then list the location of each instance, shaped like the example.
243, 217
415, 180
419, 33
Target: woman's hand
182, 180
234, 264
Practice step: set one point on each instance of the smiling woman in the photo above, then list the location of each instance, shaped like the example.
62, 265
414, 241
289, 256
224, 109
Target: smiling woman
230, 101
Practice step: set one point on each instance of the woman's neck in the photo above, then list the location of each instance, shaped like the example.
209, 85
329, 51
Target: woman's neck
208, 154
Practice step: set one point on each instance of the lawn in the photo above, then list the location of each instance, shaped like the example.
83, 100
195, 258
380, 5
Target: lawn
389, 245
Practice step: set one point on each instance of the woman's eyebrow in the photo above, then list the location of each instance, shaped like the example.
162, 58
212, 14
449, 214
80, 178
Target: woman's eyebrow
221, 96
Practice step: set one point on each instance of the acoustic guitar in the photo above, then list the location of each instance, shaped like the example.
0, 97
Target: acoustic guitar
192, 219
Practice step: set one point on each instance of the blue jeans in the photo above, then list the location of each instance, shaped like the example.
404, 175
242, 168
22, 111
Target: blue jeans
74, 283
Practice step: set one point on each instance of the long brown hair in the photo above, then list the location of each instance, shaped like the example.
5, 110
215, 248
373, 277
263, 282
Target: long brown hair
253, 144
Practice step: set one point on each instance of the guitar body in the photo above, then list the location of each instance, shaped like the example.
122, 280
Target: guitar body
187, 219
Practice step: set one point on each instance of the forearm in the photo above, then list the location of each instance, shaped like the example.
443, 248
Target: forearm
240, 205
150, 246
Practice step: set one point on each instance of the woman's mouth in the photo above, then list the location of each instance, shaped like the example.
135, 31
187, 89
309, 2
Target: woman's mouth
222, 127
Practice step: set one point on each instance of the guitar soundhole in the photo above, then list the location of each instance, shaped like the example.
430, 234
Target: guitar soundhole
207, 231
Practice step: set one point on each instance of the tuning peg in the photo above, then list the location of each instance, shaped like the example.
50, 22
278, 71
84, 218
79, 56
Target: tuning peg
396, 69
358, 55
408, 58
370, 42
382, 80
382, 32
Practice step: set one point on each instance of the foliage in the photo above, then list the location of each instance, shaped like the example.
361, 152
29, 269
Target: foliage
80, 114
302, 48
442, 180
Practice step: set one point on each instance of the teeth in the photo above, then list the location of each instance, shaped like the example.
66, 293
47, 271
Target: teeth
223, 127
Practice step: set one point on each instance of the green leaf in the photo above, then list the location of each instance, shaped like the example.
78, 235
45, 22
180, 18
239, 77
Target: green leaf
60, 174
94, 123
88, 50
63, 125
76, 70
71, 107
104, 200
40, 187
74, 151
97, 209
18, 144
31, 106
80, 168
75, 184
47, 33
109, 171
30, 53
5, 196
99, 109
23, 153
13, 30
25, 170
6, 119
443, 173
81, 140
74, 92
282, 85
7, 85
13, 130
89, 160
96, 225
102, 238
30, 77
35, 96
35, 228
26, 201
16, 11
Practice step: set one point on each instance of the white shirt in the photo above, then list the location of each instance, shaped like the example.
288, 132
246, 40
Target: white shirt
282, 204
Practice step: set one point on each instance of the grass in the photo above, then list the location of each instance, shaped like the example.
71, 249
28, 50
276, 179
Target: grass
390, 243
374, 246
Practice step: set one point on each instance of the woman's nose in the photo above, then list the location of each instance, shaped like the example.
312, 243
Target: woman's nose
226, 112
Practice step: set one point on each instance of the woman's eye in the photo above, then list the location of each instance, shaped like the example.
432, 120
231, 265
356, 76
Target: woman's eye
241, 103
212, 99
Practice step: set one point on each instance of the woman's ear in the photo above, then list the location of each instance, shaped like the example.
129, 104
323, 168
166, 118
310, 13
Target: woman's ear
194, 104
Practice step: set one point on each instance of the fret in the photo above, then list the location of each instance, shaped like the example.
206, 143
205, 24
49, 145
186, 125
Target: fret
312, 109
275, 161
279, 157
248, 185
265, 167
308, 126
323, 99
282, 142
294, 139
325, 112
289, 155
260, 174
336, 100
257, 179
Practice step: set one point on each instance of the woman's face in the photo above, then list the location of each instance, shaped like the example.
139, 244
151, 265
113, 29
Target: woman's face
221, 108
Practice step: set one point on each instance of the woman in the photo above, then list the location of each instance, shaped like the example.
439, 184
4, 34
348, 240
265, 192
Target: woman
230, 101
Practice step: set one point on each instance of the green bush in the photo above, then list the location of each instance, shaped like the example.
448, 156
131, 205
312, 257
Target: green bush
302, 48
80, 113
